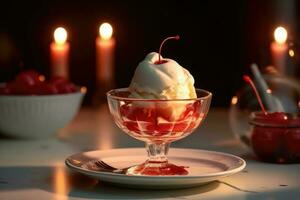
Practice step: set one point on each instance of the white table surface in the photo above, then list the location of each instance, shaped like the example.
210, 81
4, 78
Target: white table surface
34, 169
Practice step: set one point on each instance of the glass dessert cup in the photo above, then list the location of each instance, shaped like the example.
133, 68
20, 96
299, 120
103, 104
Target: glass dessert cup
158, 123
276, 137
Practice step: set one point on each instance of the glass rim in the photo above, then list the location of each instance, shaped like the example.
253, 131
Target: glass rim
273, 125
255, 116
110, 95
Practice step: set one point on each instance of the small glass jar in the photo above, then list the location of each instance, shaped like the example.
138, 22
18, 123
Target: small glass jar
275, 137
244, 102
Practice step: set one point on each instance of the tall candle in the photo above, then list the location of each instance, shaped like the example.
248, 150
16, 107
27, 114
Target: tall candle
105, 47
279, 49
59, 50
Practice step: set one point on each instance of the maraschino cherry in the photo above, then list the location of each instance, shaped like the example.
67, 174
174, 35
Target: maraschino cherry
274, 116
248, 80
161, 45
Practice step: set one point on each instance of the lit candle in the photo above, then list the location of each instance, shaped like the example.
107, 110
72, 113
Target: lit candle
105, 47
279, 49
59, 50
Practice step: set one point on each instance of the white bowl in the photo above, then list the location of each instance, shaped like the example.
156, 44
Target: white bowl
37, 116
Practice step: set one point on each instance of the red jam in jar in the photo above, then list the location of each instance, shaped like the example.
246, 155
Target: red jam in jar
275, 137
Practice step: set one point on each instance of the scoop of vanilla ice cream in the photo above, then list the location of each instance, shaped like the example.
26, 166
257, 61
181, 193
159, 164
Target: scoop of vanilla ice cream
161, 81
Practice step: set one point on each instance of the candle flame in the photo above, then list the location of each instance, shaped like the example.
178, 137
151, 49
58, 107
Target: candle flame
105, 31
60, 35
280, 35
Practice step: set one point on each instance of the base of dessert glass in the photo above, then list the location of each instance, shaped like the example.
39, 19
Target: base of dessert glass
157, 169
157, 163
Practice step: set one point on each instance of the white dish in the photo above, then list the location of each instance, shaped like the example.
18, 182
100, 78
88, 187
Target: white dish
37, 116
204, 167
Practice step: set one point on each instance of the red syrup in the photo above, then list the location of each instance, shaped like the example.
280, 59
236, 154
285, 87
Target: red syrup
156, 124
159, 169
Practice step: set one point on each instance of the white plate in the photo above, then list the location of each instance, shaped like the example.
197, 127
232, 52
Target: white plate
204, 167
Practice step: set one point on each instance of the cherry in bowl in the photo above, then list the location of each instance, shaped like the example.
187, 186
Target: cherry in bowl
30, 82
35, 108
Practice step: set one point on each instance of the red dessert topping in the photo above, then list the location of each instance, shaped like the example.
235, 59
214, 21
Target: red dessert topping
166, 169
152, 121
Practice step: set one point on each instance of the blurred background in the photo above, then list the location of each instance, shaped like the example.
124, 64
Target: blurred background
219, 39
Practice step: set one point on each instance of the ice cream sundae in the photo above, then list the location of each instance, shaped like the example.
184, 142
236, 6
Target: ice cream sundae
160, 106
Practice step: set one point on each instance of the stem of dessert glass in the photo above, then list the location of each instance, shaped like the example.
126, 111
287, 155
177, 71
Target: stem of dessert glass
157, 152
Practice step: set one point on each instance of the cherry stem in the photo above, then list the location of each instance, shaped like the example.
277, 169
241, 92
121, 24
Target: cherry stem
168, 38
248, 80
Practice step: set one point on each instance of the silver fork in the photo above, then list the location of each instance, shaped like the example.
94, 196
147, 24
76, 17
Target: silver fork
108, 168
